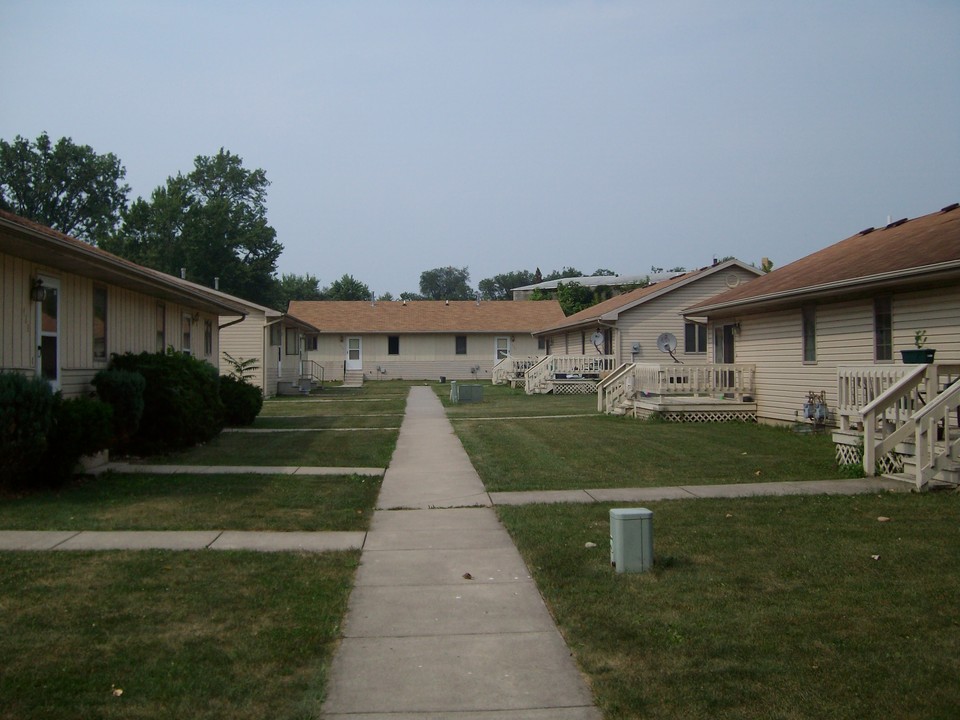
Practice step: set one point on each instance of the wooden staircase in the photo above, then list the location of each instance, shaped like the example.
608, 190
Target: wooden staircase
916, 424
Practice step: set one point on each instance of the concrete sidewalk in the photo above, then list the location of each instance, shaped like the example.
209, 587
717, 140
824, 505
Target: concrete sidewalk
444, 620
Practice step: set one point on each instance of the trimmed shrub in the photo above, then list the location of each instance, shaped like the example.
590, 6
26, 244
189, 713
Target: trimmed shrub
242, 401
123, 390
27, 407
82, 426
181, 401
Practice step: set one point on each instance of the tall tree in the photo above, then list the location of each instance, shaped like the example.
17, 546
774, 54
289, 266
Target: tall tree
500, 287
566, 272
446, 283
296, 287
213, 223
65, 186
347, 288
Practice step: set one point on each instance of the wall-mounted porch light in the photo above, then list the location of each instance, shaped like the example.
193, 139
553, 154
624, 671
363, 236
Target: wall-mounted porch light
37, 291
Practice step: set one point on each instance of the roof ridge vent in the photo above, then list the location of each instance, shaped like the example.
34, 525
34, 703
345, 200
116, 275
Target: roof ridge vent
896, 223
866, 231
950, 208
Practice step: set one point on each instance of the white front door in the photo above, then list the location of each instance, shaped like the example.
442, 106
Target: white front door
502, 349
48, 333
354, 354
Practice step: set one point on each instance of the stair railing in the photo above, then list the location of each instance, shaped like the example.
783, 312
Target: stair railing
888, 419
932, 448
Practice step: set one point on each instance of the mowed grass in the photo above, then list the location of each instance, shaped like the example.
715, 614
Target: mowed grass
796, 607
504, 401
154, 634
369, 448
117, 501
357, 427
603, 451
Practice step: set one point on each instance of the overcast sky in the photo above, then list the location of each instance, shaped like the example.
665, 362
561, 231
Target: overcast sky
404, 136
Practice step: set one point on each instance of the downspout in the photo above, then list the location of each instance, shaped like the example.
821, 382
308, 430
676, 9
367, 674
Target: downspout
232, 322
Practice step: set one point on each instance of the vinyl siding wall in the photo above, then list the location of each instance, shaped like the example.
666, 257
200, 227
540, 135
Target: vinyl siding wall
844, 336
131, 324
644, 323
421, 357
245, 341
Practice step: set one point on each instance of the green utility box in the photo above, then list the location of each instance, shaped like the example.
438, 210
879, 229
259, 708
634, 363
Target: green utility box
631, 539
471, 393
465, 393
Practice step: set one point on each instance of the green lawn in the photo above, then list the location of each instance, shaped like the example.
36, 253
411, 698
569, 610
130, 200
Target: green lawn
198, 502
153, 634
604, 451
798, 607
504, 401
368, 448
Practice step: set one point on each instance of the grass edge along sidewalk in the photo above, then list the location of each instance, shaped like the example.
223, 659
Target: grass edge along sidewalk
782, 607
156, 634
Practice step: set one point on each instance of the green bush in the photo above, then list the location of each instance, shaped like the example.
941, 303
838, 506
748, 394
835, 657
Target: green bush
181, 401
123, 390
27, 408
242, 401
82, 426
43, 436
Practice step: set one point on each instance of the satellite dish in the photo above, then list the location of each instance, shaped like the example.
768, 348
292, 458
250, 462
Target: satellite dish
667, 342
597, 340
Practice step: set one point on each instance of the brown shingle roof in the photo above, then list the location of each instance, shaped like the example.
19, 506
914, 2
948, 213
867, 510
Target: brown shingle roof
426, 316
905, 248
46, 246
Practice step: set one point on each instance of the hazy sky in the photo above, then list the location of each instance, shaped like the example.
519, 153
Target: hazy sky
404, 136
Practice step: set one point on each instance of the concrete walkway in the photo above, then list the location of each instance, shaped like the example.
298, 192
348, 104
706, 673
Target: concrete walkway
444, 620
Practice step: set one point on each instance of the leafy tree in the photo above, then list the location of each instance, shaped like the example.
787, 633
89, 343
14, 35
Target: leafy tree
566, 272
766, 265
500, 287
446, 283
65, 186
574, 297
297, 287
386, 297
411, 296
346, 288
213, 222
604, 272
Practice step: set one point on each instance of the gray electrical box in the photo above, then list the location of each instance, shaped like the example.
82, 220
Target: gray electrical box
470, 393
631, 539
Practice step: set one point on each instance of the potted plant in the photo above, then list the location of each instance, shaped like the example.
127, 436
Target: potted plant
919, 355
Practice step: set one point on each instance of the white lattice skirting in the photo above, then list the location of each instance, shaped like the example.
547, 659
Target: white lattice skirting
889, 464
711, 416
582, 387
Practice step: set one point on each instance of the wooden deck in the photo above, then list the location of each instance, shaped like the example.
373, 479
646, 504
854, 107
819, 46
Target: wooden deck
683, 408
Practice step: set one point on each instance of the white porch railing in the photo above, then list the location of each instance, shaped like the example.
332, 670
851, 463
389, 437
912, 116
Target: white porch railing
510, 369
616, 388
726, 378
912, 410
540, 375
858, 386
634, 379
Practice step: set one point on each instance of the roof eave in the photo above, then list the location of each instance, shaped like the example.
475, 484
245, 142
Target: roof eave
889, 279
55, 252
